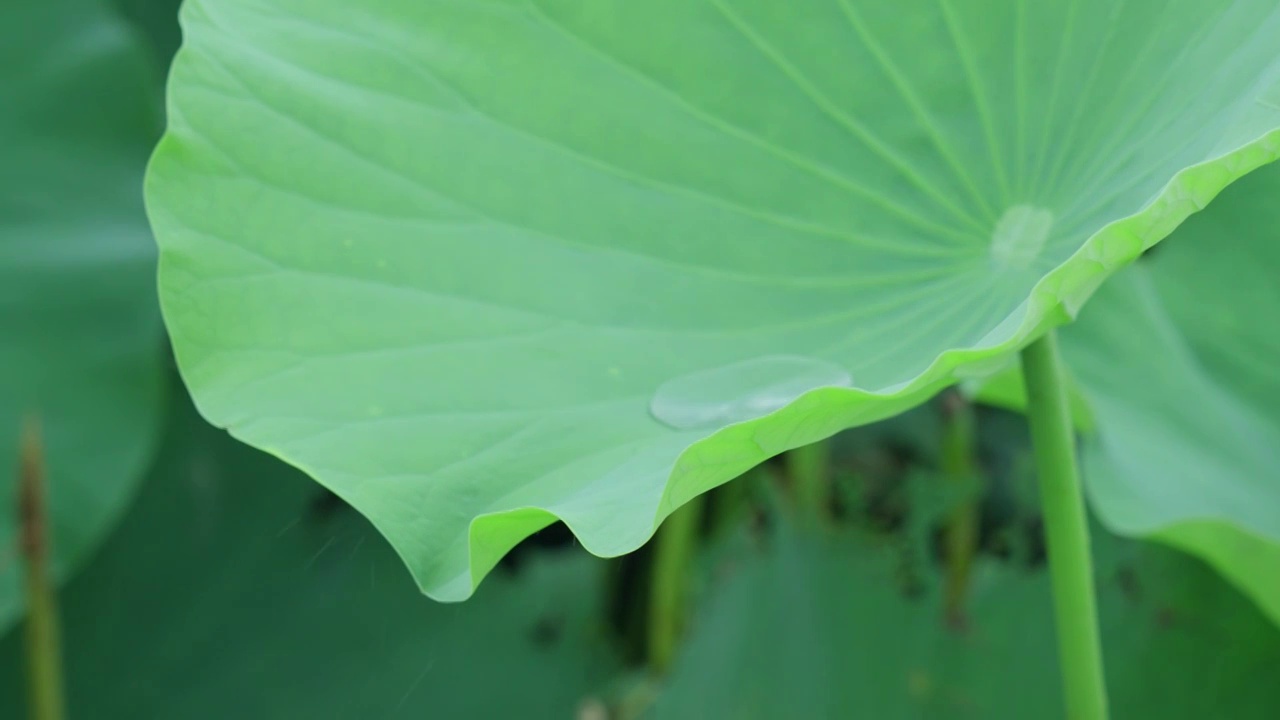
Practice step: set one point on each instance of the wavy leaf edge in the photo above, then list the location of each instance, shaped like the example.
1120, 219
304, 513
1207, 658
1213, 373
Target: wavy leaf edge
1054, 300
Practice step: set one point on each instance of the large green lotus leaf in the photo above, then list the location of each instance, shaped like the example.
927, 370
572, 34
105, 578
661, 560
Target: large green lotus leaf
1177, 361
233, 590
81, 345
479, 264
820, 630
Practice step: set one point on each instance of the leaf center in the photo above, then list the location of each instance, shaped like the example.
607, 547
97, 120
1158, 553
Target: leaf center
1020, 235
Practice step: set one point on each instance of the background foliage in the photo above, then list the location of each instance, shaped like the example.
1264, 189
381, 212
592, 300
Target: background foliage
82, 350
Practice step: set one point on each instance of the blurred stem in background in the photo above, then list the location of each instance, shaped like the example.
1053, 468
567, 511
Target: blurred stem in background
732, 502
960, 469
669, 584
809, 473
1066, 530
44, 655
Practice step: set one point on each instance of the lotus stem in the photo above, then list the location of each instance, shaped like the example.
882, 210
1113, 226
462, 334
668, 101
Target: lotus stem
1066, 531
809, 470
673, 555
960, 470
44, 657
731, 502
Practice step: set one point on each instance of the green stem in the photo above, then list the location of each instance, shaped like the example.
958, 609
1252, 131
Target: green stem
730, 503
44, 657
960, 468
1066, 531
669, 582
809, 470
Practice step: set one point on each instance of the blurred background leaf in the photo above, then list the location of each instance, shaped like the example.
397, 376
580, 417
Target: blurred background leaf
1177, 393
1178, 361
814, 627
80, 333
157, 21
237, 588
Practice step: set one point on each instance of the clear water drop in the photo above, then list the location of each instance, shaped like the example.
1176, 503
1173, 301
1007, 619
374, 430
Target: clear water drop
1020, 235
741, 391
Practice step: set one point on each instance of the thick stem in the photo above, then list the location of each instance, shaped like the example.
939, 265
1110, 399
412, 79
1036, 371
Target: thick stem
673, 554
960, 469
44, 657
809, 470
1066, 531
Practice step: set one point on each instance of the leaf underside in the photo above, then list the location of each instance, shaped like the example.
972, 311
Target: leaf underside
476, 266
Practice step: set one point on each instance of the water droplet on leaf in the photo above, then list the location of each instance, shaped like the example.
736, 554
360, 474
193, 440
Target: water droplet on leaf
742, 390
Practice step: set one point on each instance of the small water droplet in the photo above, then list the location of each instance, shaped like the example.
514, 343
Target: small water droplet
1020, 235
741, 391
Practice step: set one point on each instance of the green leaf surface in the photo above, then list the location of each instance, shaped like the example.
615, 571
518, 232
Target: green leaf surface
1177, 359
80, 333
234, 590
477, 265
817, 629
